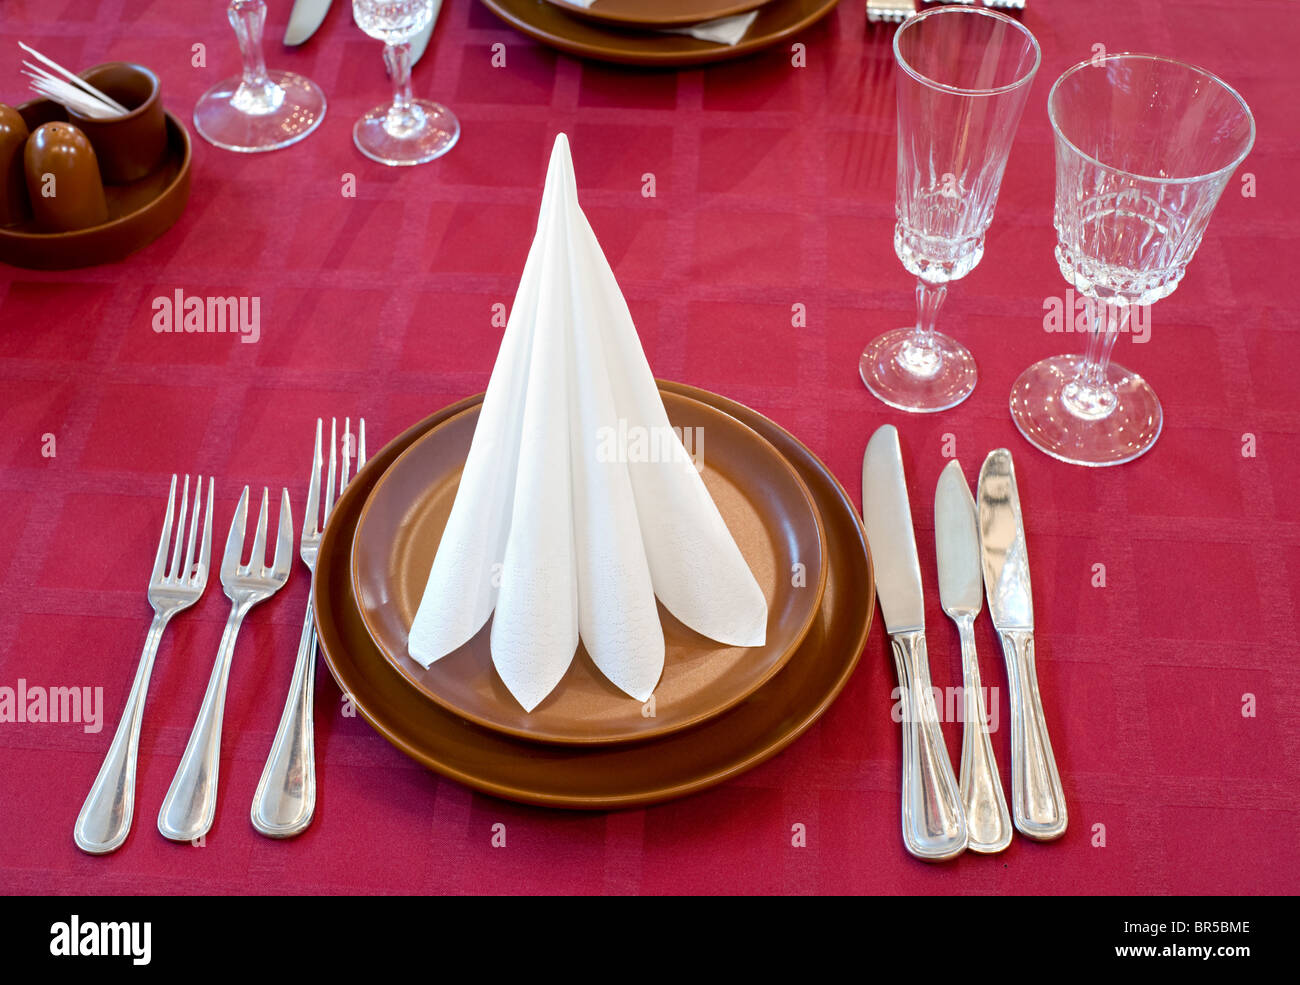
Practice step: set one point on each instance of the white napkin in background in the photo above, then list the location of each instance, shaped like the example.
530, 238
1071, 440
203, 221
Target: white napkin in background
578, 544
723, 30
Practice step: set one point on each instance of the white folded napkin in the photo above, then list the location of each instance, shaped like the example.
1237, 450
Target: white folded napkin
723, 30
553, 527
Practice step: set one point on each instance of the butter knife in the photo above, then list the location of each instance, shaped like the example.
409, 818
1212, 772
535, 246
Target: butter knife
961, 590
1037, 801
934, 826
304, 19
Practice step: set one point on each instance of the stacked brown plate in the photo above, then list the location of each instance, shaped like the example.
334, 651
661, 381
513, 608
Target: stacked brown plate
717, 711
635, 31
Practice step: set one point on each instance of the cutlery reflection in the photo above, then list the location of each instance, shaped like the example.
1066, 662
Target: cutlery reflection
961, 590
1037, 801
105, 818
934, 825
191, 802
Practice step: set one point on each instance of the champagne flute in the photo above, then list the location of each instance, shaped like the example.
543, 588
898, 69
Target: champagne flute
257, 110
1144, 147
409, 131
963, 74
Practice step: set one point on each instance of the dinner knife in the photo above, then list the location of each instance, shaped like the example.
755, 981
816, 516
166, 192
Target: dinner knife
961, 590
304, 19
1037, 801
934, 827
421, 40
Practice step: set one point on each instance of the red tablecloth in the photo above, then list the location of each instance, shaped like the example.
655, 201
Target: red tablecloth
1172, 691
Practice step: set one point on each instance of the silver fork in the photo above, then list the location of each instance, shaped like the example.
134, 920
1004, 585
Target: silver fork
191, 802
890, 11
286, 795
105, 818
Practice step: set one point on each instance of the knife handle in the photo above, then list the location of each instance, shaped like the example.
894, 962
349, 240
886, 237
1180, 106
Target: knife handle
988, 822
934, 825
1037, 800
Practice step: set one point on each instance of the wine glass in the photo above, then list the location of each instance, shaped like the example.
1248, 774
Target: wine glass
963, 75
1144, 148
410, 131
257, 110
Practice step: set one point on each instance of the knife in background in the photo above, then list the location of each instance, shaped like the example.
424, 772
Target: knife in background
961, 590
934, 826
1037, 801
305, 17
421, 40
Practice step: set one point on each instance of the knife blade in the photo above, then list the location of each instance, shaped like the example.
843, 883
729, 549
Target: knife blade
961, 590
1037, 800
304, 19
934, 826
421, 40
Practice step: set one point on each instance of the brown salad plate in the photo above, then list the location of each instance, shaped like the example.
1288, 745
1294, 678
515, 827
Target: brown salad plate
658, 13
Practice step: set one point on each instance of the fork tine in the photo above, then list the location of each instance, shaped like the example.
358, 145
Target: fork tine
235, 539
283, 539
205, 552
311, 515
329, 486
361, 446
161, 557
184, 572
258, 559
347, 454
174, 568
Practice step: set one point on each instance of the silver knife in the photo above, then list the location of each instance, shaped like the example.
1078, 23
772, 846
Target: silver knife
1037, 801
305, 17
934, 826
421, 40
961, 590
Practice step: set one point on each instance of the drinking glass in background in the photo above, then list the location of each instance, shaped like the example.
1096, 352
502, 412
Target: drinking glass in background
410, 131
1144, 148
963, 75
257, 110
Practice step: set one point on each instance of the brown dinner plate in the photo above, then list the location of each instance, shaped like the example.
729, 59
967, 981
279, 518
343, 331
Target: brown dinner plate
767, 509
658, 13
628, 774
549, 24
138, 212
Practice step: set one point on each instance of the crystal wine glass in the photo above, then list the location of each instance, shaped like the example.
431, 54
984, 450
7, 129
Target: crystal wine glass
410, 131
257, 110
963, 75
1144, 148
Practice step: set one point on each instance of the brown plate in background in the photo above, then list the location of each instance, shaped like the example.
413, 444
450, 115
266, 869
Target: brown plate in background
138, 213
551, 25
765, 504
605, 777
658, 13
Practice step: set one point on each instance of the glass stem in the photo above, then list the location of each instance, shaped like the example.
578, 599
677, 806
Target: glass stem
257, 94
404, 118
919, 356
1089, 395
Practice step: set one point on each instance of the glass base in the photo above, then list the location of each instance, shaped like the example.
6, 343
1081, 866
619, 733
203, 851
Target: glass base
250, 119
1106, 427
918, 380
428, 130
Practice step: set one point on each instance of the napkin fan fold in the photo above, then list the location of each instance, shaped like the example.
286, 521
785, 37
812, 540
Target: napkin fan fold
559, 526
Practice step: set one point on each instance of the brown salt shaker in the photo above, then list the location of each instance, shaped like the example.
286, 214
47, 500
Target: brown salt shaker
63, 182
13, 186
130, 146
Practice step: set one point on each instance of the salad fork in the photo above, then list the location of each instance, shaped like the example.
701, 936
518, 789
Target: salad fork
286, 795
105, 818
191, 802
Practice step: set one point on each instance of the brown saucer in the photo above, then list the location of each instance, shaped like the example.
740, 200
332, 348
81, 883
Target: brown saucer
658, 13
549, 24
603, 777
766, 506
138, 212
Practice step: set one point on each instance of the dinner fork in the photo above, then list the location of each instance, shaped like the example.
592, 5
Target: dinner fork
105, 818
890, 11
191, 802
286, 795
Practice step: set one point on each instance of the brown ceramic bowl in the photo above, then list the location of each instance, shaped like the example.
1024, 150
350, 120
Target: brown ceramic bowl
138, 212
132, 146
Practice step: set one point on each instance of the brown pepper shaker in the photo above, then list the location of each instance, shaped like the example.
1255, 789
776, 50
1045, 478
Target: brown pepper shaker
14, 208
63, 181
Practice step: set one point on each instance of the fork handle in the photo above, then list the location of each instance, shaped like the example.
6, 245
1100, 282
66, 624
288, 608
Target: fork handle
286, 795
105, 818
191, 802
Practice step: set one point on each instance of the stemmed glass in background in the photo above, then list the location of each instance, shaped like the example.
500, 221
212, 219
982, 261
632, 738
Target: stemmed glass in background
409, 131
963, 77
1144, 148
257, 110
